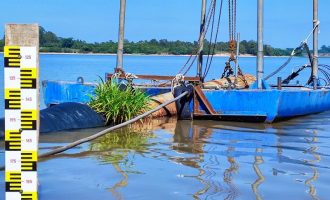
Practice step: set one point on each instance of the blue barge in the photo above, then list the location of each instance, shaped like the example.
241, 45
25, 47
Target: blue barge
258, 103
266, 105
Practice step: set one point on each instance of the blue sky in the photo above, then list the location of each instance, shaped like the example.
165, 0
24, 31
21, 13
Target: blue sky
287, 22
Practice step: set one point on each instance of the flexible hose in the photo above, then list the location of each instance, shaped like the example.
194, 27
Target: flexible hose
104, 132
99, 134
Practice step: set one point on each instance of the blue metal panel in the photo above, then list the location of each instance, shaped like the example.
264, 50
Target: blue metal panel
303, 102
56, 92
245, 102
154, 91
273, 104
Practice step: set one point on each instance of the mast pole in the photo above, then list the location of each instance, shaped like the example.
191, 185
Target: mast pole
201, 40
315, 44
260, 55
120, 50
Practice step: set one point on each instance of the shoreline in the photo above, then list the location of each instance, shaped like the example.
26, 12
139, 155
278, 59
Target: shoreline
163, 55
138, 54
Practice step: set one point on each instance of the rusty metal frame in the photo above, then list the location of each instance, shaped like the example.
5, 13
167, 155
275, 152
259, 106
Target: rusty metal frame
158, 78
200, 96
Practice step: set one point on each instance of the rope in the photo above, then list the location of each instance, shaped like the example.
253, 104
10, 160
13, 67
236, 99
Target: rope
178, 80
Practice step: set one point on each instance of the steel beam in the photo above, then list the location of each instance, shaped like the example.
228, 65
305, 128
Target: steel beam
121, 33
315, 44
260, 55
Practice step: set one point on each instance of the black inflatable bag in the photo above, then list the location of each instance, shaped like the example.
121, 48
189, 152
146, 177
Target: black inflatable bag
68, 116
65, 116
183, 104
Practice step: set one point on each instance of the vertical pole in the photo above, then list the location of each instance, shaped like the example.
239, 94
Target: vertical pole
21, 78
315, 44
120, 51
237, 55
260, 55
201, 40
279, 83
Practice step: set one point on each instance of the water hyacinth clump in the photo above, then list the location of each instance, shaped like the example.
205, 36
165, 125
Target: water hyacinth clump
116, 104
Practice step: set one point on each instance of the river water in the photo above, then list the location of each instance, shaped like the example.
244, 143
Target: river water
170, 159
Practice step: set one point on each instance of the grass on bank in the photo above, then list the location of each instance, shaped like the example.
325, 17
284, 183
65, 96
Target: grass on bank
118, 105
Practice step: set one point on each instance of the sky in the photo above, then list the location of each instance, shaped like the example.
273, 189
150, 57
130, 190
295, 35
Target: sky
287, 22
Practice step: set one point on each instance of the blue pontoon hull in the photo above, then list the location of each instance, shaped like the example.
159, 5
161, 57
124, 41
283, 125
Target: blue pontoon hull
56, 92
268, 105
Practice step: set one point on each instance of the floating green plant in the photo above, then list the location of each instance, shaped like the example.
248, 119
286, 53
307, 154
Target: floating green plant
116, 104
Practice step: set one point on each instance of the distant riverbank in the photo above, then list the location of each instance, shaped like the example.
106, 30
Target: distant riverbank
170, 55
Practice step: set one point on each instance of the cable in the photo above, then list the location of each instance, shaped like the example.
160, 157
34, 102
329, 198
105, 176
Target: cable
208, 65
293, 53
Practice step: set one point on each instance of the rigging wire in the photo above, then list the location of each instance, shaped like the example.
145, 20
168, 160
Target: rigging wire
208, 64
210, 40
203, 32
193, 56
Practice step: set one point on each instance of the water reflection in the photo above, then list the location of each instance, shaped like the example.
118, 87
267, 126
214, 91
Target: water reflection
215, 160
316, 159
119, 147
201, 138
187, 139
261, 178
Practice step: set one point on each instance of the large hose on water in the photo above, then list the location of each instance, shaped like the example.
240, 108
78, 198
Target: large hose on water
101, 133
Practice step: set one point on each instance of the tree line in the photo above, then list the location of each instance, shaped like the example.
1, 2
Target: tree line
50, 42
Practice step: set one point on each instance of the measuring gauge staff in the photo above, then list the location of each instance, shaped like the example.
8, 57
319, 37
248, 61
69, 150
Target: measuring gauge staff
21, 119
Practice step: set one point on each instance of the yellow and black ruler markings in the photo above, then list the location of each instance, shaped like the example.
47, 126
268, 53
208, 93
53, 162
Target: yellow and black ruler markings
12, 99
29, 120
28, 78
22, 115
13, 140
29, 160
29, 196
12, 56
13, 181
